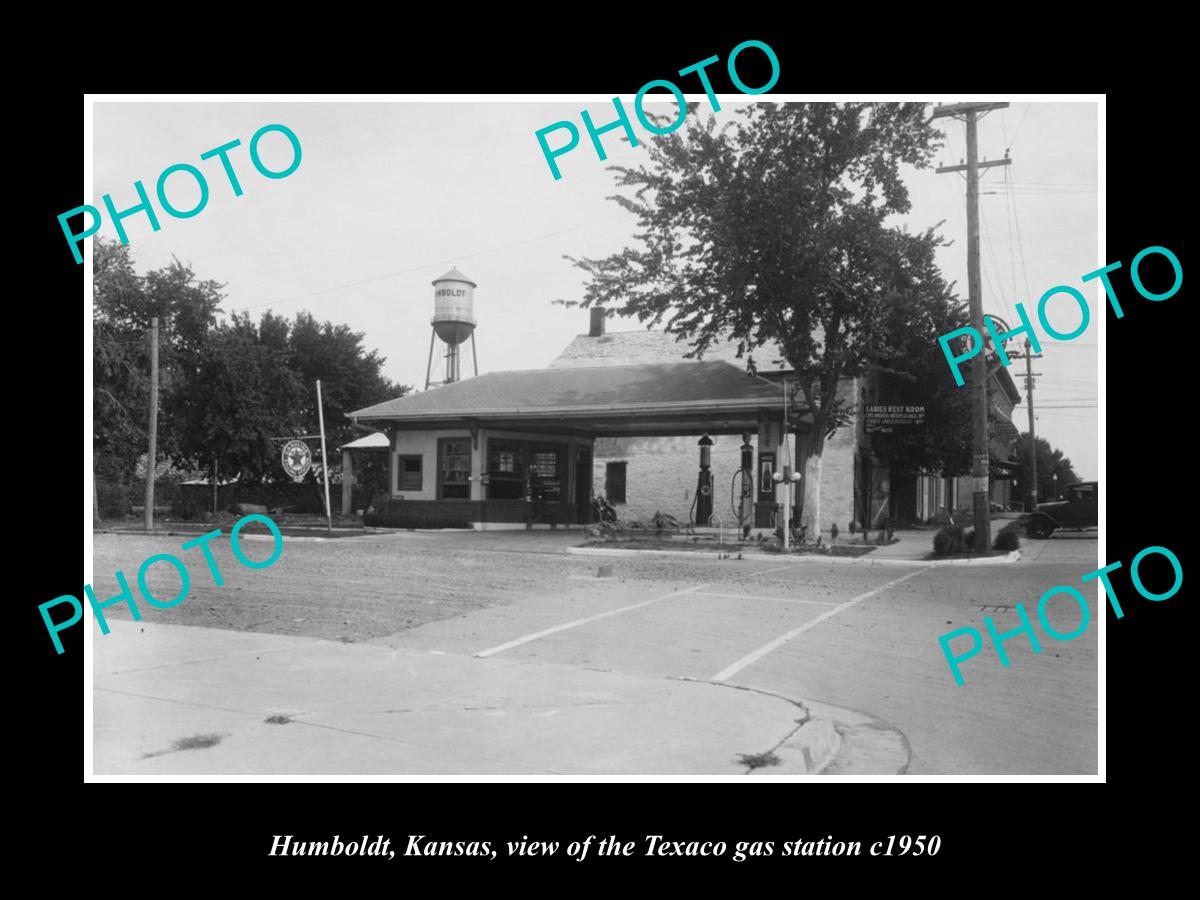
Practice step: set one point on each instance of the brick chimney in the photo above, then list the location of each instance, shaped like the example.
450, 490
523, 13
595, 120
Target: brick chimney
596, 324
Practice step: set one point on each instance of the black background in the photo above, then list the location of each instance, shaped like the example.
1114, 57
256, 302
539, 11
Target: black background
220, 833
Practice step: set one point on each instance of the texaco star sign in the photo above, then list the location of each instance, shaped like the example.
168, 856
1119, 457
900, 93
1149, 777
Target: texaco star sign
297, 459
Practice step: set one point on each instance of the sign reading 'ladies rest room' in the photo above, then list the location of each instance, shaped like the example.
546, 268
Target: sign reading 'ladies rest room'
879, 418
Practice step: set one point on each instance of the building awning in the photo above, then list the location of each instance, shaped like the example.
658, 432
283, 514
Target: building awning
376, 441
1002, 470
648, 399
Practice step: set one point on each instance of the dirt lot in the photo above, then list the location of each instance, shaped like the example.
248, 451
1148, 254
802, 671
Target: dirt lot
372, 586
348, 590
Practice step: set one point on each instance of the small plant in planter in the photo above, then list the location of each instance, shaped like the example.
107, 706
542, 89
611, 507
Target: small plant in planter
948, 540
1007, 541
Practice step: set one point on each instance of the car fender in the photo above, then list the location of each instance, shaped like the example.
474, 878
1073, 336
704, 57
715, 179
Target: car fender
1041, 516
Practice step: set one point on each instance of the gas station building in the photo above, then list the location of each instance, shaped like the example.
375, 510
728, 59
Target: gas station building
626, 415
470, 453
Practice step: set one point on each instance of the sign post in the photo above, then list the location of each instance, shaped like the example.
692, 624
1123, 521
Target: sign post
324, 458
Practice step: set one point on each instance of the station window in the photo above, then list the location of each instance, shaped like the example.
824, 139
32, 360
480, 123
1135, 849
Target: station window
543, 466
455, 458
410, 473
614, 481
506, 474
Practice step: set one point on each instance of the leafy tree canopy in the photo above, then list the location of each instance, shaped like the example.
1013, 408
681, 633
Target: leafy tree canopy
772, 228
227, 387
1050, 463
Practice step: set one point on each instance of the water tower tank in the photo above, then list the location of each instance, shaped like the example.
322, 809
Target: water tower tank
453, 307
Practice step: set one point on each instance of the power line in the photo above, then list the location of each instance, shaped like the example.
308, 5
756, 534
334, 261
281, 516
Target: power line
442, 262
987, 238
1020, 242
1008, 143
1089, 184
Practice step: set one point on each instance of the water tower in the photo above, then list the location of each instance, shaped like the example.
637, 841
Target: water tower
453, 322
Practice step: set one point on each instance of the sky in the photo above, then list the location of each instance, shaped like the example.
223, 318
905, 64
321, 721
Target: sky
389, 195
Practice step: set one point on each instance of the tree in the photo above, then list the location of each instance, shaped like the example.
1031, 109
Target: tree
911, 368
773, 229
257, 381
351, 377
123, 303
120, 366
1050, 463
239, 394
228, 388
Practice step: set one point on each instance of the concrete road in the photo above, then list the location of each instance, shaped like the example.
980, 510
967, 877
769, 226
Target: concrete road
855, 642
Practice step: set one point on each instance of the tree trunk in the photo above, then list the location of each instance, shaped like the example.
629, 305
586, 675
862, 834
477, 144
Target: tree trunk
95, 501
812, 490
814, 447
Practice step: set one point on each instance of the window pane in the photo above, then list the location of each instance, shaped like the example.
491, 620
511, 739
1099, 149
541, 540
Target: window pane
410, 473
545, 463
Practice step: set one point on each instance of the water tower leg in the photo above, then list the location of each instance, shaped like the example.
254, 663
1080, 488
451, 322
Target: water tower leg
474, 358
429, 366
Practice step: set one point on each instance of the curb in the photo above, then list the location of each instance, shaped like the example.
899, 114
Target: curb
866, 560
1011, 557
806, 751
288, 538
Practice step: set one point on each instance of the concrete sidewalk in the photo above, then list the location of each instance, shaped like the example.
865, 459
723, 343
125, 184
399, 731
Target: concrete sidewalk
178, 700
912, 547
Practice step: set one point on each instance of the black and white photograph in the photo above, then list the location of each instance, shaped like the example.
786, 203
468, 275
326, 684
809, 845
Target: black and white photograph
705, 436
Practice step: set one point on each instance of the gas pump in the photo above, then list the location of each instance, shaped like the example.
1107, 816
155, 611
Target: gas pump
741, 493
703, 503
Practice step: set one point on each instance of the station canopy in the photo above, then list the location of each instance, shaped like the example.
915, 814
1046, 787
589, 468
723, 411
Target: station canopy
681, 398
376, 441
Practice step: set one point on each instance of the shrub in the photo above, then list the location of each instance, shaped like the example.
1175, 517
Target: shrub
191, 503
948, 540
968, 540
1007, 541
115, 500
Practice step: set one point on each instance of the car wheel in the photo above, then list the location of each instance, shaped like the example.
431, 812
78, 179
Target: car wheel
1040, 529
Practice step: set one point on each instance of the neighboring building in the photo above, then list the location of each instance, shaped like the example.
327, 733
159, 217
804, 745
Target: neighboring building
933, 497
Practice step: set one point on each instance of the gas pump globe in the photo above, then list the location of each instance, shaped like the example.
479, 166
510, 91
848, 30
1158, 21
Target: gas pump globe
704, 499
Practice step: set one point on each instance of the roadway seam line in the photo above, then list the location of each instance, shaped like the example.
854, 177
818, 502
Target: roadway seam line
491, 651
751, 658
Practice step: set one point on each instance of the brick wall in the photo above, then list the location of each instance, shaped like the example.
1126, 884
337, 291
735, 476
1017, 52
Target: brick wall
661, 473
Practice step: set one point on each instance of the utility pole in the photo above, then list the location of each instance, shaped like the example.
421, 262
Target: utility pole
152, 453
786, 476
969, 113
1029, 376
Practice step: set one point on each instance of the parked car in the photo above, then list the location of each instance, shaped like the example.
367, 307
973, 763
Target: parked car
1078, 509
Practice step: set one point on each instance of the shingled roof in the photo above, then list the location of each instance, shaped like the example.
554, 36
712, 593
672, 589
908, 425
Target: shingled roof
649, 346
585, 391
